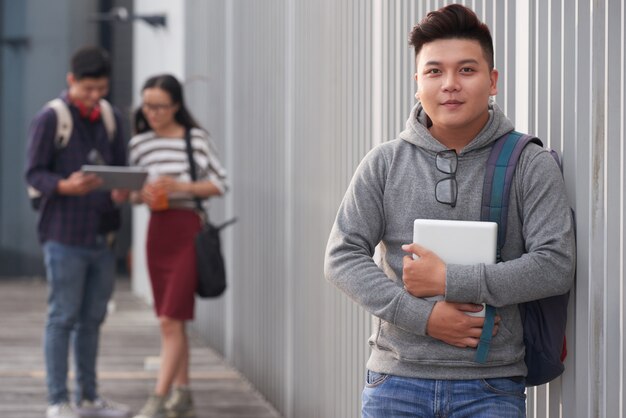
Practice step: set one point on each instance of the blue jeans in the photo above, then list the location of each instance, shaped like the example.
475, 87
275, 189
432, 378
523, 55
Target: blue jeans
387, 396
80, 283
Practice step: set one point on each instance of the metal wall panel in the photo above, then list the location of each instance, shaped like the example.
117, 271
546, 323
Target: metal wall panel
298, 92
238, 56
297, 78
206, 92
258, 178
576, 104
332, 53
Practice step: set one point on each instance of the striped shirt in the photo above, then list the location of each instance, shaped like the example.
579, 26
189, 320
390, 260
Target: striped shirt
168, 157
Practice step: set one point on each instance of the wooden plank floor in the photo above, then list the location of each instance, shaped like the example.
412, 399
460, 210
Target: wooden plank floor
129, 349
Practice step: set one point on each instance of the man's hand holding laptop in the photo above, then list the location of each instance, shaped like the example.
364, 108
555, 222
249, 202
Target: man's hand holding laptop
424, 275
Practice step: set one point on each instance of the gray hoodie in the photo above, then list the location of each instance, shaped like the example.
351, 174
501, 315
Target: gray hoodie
394, 185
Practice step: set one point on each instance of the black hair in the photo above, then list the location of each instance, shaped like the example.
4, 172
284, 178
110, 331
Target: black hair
171, 86
450, 22
90, 62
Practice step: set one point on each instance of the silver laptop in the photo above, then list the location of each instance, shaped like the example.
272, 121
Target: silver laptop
458, 242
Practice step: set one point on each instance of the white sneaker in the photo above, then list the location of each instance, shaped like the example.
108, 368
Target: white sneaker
102, 408
61, 410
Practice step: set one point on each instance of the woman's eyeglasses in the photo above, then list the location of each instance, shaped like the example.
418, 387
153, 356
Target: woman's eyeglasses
446, 189
156, 108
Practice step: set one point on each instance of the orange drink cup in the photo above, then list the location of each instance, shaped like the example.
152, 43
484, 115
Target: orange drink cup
160, 201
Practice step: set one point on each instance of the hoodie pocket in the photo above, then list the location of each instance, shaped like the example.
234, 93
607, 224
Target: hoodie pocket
405, 346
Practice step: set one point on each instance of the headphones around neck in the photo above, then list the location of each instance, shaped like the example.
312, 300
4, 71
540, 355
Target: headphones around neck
93, 114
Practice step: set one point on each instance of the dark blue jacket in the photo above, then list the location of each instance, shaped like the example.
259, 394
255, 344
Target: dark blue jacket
71, 220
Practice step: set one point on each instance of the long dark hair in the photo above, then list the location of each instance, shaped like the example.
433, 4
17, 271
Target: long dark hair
172, 86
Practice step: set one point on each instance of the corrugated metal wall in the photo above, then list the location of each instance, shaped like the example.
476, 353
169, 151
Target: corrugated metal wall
297, 92
206, 86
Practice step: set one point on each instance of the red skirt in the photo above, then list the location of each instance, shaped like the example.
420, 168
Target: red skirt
172, 262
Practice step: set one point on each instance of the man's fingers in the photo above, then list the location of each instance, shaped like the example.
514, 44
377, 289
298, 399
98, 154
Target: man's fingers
89, 176
93, 184
450, 323
416, 249
96, 182
406, 260
90, 180
467, 342
470, 307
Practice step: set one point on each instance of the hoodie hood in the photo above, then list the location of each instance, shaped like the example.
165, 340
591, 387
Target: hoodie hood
417, 133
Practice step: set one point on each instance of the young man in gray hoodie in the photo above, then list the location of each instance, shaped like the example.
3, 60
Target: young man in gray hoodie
423, 351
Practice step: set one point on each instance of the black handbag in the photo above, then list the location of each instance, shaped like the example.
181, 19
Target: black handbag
209, 259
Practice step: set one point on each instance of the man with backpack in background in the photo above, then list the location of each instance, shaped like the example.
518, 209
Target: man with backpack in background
425, 360
76, 227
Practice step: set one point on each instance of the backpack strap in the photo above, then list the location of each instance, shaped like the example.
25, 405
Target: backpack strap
498, 178
64, 122
61, 139
108, 118
501, 166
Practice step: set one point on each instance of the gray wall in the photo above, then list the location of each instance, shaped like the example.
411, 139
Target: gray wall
207, 87
297, 92
31, 74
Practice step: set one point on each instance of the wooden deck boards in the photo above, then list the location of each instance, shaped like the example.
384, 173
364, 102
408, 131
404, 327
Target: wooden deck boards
129, 349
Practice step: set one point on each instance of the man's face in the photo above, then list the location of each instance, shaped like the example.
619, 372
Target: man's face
87, 90
454, 84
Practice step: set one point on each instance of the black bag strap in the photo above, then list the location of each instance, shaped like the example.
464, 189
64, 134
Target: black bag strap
194, 175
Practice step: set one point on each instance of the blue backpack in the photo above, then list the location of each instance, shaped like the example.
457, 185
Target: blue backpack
544, 320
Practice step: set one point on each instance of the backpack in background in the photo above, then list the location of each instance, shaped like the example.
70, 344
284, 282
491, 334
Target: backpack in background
544, 320
65, 125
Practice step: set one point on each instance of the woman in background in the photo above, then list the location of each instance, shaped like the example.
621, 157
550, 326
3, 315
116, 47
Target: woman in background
159, 146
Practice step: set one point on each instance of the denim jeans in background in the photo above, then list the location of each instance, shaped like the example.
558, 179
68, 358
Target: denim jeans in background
80, 283
387, 396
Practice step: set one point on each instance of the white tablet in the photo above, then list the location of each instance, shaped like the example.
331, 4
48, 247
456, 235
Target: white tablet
118, 177
458, 242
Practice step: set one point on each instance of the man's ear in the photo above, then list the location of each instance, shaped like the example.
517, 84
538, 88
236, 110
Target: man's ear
493, 82
70, 79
